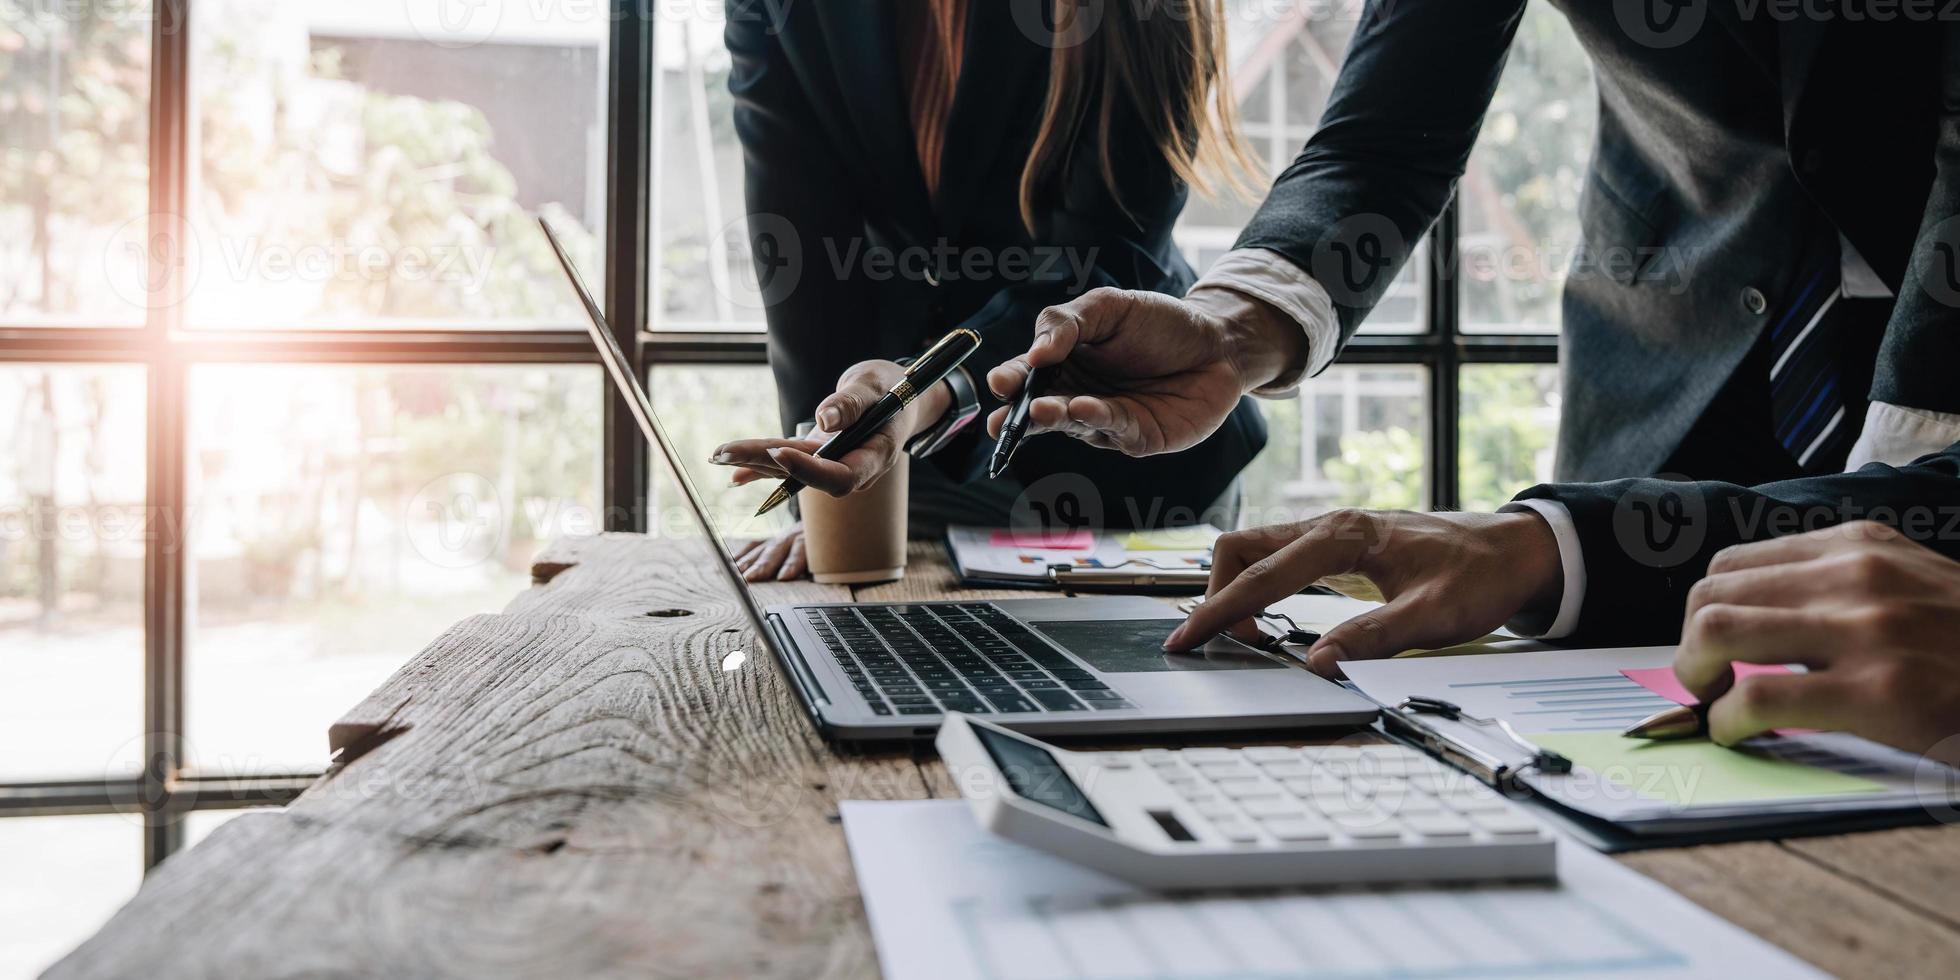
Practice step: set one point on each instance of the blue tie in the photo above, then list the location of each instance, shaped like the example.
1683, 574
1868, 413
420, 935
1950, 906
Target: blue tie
1807, 400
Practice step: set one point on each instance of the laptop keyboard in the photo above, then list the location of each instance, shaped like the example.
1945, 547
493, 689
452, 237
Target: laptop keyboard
970, 657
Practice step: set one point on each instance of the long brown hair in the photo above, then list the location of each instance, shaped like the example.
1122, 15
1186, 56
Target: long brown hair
1167, 57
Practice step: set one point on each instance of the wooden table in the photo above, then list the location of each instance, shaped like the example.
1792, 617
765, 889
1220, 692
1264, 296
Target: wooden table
584, 785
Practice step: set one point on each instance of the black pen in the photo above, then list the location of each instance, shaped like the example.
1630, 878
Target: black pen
1016, 424
931, 368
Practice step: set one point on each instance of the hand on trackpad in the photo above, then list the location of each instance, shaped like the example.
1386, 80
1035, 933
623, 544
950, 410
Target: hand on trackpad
1130, 646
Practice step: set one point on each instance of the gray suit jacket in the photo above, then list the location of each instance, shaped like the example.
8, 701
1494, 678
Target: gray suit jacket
1731, 144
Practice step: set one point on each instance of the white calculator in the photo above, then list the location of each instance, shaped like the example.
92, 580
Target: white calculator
1226, 818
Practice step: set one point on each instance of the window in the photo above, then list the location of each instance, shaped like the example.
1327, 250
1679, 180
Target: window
288, 374
287, 371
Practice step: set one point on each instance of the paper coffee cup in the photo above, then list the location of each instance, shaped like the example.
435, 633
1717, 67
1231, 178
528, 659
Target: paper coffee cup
860, 537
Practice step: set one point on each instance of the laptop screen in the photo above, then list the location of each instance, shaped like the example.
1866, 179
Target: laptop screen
642, 408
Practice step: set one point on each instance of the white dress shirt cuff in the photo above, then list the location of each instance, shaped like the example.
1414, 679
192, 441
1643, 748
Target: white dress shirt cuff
1570, 559
1270, 277
1898, 435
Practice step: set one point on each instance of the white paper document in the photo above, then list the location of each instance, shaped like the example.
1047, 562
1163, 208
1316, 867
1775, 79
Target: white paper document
948, 900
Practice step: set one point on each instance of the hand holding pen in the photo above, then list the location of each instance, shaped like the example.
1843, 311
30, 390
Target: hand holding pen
859, 418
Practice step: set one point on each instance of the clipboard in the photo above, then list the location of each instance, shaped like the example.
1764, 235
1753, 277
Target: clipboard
1103, 567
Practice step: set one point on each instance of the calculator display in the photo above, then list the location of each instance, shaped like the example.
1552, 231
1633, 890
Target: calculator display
1035, 776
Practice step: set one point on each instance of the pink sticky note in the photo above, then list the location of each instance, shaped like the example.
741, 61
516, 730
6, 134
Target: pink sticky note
1078, 540
1661, 681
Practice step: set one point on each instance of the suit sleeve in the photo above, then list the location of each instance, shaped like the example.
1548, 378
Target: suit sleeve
1925, 324
1645, 542
1398, 130
799, 197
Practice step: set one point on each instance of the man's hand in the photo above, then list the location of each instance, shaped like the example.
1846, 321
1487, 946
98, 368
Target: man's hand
1145, 373
1873, 616
1447, 579
857, 390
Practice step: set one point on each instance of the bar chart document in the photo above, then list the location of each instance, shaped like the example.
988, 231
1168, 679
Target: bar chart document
948, 900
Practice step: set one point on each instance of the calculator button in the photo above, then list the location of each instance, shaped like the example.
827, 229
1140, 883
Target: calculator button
1507, 824
1271, 753
1375, 830
1156, 756
1195, 756
1236, 831
1439, 825
1217, 810
1294, 769
1246, 789
1314, 785
1297, 831
1272, 806
1408, 804
1227, 770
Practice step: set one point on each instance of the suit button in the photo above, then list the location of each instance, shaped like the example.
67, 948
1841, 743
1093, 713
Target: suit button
1754, 301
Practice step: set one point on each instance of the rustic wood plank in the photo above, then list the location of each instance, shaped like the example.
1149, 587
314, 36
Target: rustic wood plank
1836, 923
1916, 866
576, 786
928, 575
573, 788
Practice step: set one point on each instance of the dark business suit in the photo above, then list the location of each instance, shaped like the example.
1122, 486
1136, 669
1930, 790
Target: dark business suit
833, 179
1728, 155
1646, 542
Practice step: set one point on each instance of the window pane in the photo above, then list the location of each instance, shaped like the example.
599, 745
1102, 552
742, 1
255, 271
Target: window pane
1284, 59
342, 517
74, 162
1356, 437
379, 164
701, 408
71, 568
1521, 193
703, 275
65, 877
1507, 430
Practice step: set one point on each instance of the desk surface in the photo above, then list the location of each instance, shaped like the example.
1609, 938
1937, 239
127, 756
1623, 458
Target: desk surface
577, 786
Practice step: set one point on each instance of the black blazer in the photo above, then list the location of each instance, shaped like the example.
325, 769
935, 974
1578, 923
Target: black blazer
856, 262
1646, 542
1729, 145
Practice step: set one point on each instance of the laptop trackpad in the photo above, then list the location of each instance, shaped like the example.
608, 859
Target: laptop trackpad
1131, 646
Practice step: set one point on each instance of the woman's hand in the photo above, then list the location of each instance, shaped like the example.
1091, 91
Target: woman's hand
1447, 579
779, 557
857, 390
1873, 616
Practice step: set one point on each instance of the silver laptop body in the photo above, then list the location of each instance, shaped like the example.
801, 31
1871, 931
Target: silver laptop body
879, 671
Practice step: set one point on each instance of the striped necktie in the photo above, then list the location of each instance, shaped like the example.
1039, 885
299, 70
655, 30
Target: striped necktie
1808, 402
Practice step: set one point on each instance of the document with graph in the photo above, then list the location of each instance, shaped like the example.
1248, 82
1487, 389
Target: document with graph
948, 900
1576, 703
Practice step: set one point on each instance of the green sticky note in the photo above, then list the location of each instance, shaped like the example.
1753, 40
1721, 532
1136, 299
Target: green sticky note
1170, 539
1697, 770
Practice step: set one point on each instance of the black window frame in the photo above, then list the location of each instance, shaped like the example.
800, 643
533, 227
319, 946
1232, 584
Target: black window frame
164, 791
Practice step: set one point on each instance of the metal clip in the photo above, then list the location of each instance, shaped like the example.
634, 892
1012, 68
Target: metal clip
1541, 759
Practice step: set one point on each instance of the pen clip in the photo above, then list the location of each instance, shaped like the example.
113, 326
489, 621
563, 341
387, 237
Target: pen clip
940, 344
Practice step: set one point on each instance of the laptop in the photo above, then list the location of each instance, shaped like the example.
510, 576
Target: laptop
883, 671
